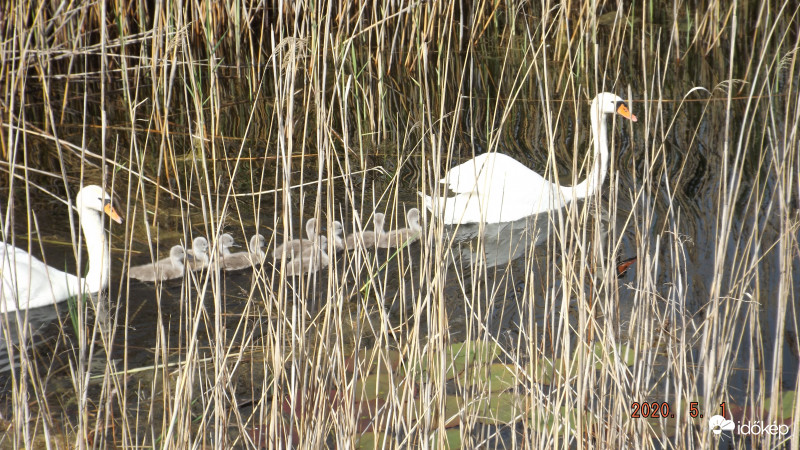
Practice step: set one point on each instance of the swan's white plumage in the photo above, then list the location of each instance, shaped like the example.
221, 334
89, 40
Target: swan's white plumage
495, 188
28, 282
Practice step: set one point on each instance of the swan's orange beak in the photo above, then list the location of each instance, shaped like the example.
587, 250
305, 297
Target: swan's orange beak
623, 111
111, 212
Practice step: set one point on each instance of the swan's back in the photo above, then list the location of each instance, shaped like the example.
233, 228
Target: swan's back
295, 246
367, 238
306, 264
237, 261
240, 260
245, 259
496, 188
401, 236
169, 268
482, 170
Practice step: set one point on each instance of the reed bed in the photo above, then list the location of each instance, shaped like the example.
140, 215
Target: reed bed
243, 117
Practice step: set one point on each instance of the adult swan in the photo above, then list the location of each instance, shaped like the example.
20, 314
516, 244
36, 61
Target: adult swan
496, 188
30, 283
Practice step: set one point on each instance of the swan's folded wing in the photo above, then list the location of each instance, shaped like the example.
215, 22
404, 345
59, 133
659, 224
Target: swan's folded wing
483, 171
18, 268
144, 272
464, 177
29, 282
495, 188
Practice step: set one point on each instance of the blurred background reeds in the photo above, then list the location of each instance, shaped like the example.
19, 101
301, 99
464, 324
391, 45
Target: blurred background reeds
204, 118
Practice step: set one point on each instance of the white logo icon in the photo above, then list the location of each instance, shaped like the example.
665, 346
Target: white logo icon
718, 424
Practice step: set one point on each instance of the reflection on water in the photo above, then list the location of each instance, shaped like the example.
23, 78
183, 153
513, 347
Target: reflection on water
663, 201
499, 243
27, 329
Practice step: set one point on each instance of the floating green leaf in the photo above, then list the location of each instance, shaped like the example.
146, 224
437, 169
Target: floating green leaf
496, 409
369, 360
452, 439
542, 370
365, 412
602, 354
497, 378
547, 371
371, 441
786, 405
452, 411
567, 420
378, 385
467, 353
458, 357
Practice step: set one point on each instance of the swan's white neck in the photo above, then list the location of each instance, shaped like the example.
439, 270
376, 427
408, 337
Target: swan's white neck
600, 166
96, 245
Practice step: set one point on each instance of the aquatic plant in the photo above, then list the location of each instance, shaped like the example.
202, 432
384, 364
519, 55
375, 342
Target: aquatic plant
206, 118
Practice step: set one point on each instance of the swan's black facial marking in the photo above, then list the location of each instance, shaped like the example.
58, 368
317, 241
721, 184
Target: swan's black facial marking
622, 110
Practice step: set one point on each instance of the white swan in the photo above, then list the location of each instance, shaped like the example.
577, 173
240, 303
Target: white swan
164, 269
241, 260
367, 238
401, 236
496, 188
27, 282
198, 254
296, 246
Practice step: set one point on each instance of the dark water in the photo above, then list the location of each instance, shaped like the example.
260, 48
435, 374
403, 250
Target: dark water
662, 199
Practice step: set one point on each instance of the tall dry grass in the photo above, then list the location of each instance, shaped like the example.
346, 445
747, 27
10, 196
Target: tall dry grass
244, 117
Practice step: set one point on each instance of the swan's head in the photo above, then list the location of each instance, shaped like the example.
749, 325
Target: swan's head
257, 241
412, 216
200, 245
226, 241
177, 253
338, 229
608, 103
94, 198
379, 219
311, 227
